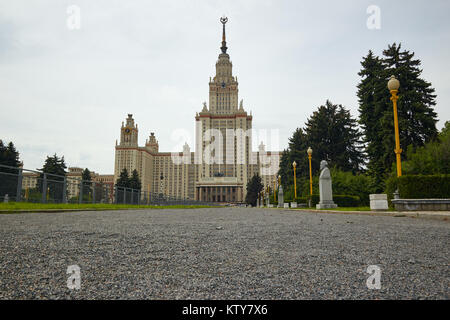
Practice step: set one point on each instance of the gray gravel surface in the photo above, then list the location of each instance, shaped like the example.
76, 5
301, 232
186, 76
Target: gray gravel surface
221, 253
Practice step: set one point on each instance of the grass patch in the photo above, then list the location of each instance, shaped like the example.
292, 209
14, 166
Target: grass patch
24, 206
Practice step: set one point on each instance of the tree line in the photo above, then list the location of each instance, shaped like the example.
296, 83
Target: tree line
126, 181
55, 168
360, 151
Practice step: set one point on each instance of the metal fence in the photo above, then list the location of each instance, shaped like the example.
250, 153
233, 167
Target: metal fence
24, 185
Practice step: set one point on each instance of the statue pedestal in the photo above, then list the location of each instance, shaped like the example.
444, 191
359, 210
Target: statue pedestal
326, 205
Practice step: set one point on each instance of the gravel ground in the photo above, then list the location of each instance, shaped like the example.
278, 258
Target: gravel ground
222, 253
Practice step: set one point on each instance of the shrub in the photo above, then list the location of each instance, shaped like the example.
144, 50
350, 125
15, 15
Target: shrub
391, 186
315, 199
346, 200
433, 158
424, 186
344, 183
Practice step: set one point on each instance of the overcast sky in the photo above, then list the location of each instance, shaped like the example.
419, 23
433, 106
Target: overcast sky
68, 91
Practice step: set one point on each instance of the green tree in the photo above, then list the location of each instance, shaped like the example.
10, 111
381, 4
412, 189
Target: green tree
296, 151
432, 158
347, 183
373, 102
99, 192
86, 177
55, 168
254, 186
333, 135
124, 180
8, 157
283, 171
445, 130
135, 182
417, 119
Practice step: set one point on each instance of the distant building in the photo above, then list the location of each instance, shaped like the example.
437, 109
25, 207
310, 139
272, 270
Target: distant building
74, 179
29, 180
73, 176
219, 169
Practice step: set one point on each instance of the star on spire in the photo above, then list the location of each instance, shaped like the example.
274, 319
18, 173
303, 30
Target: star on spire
224, 48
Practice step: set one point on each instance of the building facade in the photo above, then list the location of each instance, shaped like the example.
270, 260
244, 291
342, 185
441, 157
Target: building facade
73, 181
223, 161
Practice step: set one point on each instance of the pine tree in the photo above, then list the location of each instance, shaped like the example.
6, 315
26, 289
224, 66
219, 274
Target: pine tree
135, 182
296, 151
373, 102
8, 157
417, 120
284, 170
55, 169
86, 177
55, 165
254, 186
298, 146
333, 135
124, 180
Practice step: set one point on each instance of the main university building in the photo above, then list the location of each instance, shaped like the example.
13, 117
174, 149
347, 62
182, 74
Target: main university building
223, 162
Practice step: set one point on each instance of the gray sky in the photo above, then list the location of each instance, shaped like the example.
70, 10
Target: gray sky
67, 91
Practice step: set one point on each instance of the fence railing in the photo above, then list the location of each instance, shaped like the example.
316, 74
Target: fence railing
24, 185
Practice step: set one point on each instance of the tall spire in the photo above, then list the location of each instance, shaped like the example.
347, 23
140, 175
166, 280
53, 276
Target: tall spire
224, 43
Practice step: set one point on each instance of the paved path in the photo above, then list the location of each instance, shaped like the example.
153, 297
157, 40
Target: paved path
222, 253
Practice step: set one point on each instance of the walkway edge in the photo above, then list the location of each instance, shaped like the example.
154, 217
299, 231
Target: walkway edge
437, 215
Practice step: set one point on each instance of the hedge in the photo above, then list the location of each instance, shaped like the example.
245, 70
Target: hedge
315, 199
347, 201
424, 186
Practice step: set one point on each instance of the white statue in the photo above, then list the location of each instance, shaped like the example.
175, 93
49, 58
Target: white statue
325, 188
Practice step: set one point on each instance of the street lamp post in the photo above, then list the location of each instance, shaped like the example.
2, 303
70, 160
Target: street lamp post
310, 170
275, 190
294, 164
393, 85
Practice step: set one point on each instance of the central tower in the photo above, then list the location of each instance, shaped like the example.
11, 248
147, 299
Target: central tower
223, 137
223, 89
